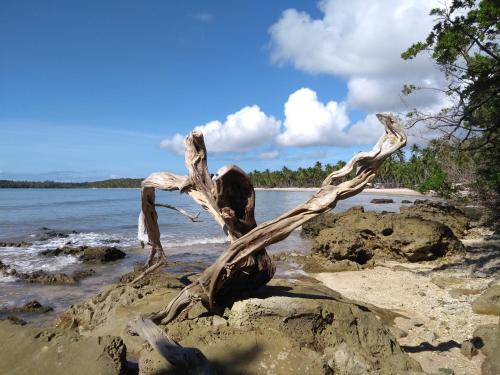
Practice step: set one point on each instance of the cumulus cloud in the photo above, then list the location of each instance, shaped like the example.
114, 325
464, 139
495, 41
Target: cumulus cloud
242, 131
362, 42
309, 122
175, 144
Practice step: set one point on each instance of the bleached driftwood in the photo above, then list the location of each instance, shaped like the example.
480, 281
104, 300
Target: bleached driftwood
192, 217
230, 198
190, 360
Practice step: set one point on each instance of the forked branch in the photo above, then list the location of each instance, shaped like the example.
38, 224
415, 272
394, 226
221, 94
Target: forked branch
226, 274
230, 198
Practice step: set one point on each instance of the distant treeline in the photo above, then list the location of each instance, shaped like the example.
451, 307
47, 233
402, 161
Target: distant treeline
435, 167
114, 183
438, 167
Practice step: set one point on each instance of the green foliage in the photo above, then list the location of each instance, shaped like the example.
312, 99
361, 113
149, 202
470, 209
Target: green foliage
464, 44
422, 171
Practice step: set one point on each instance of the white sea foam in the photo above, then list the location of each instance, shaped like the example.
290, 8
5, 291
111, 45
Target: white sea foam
7, 279
28, 259
195, 241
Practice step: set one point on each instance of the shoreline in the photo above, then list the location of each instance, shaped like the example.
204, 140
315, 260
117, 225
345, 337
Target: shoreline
387, 191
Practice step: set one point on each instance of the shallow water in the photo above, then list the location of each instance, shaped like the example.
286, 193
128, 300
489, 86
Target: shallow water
98, 216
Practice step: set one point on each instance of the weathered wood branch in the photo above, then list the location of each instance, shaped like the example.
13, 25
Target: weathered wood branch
191, 360
228, 196
192, 217
239, 262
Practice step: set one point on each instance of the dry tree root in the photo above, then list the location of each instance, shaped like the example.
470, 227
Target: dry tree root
230, 198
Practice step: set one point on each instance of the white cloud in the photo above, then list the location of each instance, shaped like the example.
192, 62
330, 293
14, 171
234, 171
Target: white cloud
175, 144
268, 155
242, 131
362, 41
309, 122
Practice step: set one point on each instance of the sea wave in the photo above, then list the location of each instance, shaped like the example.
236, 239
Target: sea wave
28, 259
8, 279
195, 241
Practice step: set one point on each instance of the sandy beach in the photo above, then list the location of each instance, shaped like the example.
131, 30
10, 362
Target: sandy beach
395, 191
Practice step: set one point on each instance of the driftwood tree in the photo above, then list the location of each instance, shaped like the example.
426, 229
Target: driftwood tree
230, 198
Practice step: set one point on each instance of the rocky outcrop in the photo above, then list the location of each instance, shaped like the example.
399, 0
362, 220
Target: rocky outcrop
489, 335
46, 278
312, 228
30, 307
28, 350
15, 244
94, 311
360, 236
441, 212
88, 253
285, 327
381, 200
488, 302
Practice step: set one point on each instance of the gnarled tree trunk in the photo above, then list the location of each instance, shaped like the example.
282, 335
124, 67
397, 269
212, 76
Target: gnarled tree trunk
230, 198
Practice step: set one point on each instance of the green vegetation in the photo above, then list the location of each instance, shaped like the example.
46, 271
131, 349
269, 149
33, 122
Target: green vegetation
114, 183
423, 170
464, 44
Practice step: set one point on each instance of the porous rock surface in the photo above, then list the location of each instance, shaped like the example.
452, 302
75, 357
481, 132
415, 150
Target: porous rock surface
488, 302
359, 236
35, 351
88, 253
442, 212
285, 327
489, 334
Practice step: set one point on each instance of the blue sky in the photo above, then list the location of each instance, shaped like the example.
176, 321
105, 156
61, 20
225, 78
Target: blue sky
90, 89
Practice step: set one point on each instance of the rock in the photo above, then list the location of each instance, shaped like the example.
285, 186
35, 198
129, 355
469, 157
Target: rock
15, 244
88, 253
59, 278
489, 336
405, 201
441, 212
428, 336
489, 302
102, 253
66, 250
6, 270
15, 320
312, 228
50, 234
43, 277
468, 349
381, 200
30, 307
445, 371
398, 332
359, 236
94, 311
28, 350
285, 327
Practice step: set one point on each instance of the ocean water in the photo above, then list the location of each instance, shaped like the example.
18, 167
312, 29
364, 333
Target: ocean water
105, 216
